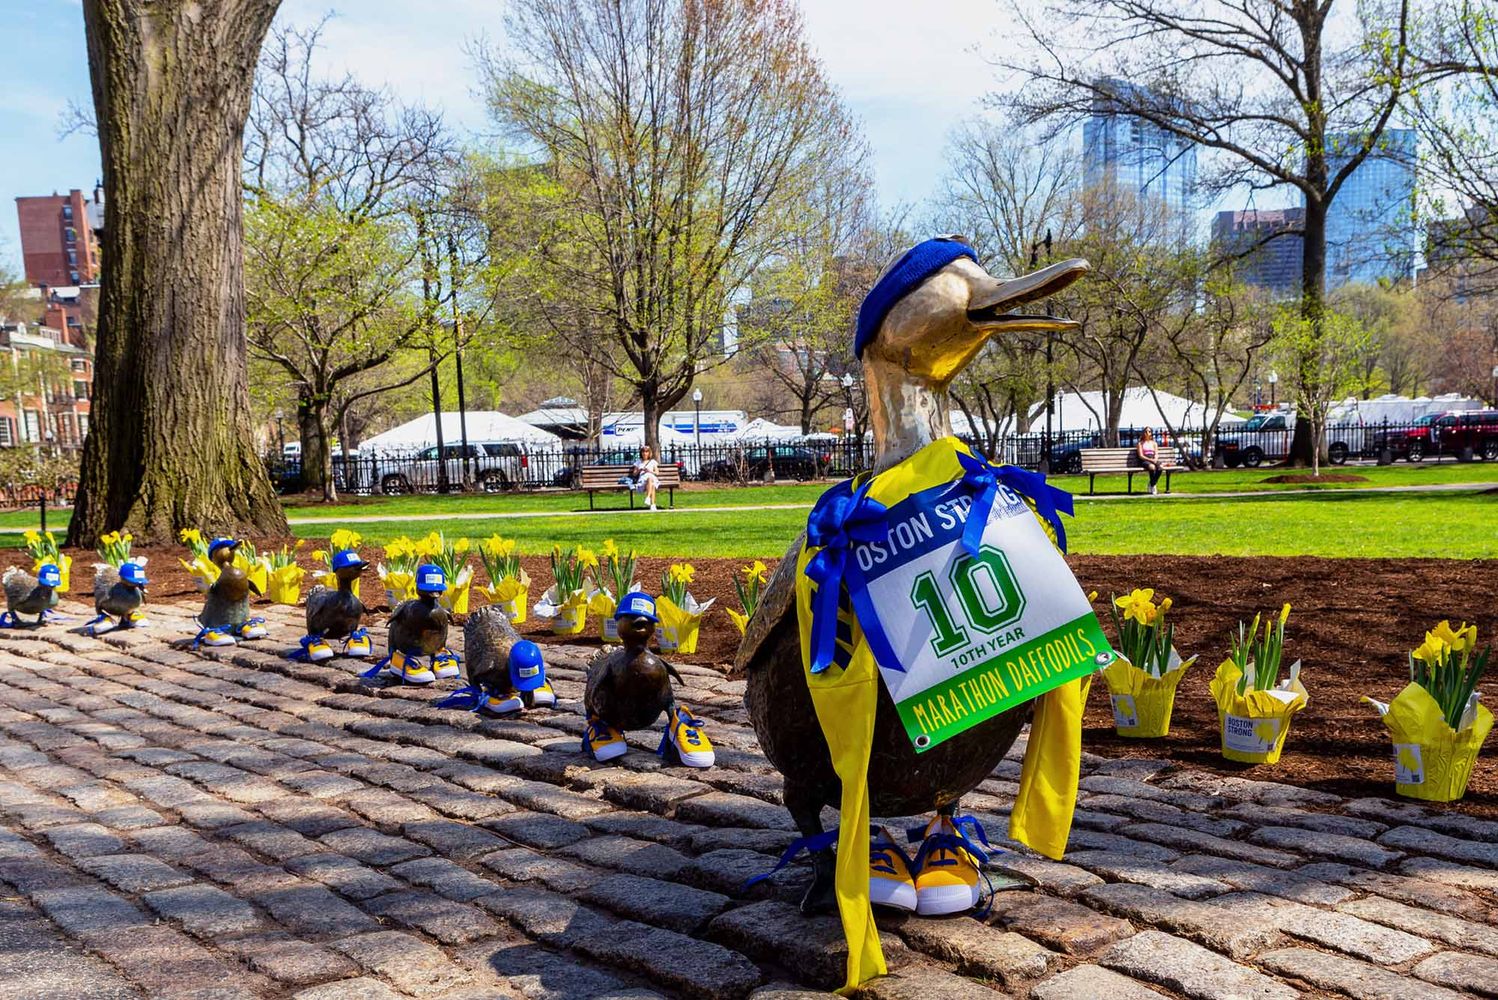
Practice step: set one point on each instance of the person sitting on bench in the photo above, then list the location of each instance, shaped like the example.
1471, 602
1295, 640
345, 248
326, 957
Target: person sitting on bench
644, 475
1149, 458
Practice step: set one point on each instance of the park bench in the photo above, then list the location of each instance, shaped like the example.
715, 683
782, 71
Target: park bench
1098, 461
604, 478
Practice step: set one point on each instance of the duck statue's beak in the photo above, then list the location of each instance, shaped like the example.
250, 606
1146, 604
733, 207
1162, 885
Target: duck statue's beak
993, 304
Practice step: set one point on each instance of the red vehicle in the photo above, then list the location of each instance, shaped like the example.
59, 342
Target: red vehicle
1468, 434
1414, 442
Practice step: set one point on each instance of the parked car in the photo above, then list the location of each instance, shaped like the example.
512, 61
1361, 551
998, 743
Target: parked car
1268, 436
770, 461
493, 466
1468, 434
1413, 442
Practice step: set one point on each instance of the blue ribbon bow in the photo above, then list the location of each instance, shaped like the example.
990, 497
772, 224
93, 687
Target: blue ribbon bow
983, 479
838, 521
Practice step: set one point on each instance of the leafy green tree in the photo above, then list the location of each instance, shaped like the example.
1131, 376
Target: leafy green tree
1320, 361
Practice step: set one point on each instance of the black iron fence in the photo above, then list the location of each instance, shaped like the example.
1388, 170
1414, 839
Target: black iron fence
499, 468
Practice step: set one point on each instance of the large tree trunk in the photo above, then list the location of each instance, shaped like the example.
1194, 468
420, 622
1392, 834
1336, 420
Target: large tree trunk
171, 442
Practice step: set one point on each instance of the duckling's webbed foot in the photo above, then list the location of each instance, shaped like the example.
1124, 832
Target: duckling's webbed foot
806, 812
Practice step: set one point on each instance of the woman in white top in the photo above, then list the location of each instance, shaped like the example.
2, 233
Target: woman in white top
1149, 457
646, 475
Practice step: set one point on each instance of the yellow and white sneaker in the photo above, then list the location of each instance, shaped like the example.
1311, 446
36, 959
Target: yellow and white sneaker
409, 669
890, 880
544, 696
136, 619
507, 705
446, 666
253, 628
692, 744
316, 648
947, 868
215, 637
358, 646
603, 741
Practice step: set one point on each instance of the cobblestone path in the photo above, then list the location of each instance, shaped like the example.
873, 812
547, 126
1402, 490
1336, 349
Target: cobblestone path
226, 824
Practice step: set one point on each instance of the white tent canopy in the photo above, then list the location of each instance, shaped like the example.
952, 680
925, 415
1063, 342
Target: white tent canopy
483, 425
1086, 411
764, 429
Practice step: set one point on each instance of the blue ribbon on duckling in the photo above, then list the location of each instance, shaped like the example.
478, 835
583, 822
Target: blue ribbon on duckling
983, 479
840, 519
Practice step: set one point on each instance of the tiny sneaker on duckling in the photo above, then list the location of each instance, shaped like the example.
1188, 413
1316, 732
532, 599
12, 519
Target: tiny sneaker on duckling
603, 741
691, 743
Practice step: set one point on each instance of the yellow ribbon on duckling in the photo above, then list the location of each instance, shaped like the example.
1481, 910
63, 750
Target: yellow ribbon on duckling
846, 700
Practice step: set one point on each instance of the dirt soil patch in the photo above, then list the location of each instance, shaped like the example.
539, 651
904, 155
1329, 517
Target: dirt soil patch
1325, 477
1352, 623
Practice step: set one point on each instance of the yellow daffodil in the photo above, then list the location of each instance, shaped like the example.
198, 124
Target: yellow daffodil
1091, 596
321, 555
1285, 613
33, 536
609, 550
587, 558
1432, 651
1138, 605
1165, 605
188, 535
757, 572
1461, 640
682, 572
343, 538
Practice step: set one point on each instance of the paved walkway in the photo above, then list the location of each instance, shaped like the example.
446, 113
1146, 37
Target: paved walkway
228, 824
499, 515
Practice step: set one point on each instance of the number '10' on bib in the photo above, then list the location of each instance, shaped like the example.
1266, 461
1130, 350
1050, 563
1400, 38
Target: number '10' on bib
960, 637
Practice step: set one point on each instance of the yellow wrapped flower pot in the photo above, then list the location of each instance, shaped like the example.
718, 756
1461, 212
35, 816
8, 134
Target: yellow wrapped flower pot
511, 595
204, 572
1254, 723
1432, 761
455, 598
399, 584
739, 619
1142, 703
569, 615
602, 606
285, 585
43, 549
680, 624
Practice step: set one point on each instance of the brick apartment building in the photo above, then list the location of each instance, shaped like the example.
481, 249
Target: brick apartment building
46, 360
59, 238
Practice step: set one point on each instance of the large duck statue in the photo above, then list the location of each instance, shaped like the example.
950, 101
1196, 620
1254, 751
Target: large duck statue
225, 618
930, 313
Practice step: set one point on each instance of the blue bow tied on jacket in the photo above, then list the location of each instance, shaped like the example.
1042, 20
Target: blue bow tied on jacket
839, 520
983, 480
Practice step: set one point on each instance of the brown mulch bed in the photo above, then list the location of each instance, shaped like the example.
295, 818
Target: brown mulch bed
1353, 622
1325, 477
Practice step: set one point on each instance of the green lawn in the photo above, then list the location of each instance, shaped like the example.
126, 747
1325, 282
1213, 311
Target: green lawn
1457, 525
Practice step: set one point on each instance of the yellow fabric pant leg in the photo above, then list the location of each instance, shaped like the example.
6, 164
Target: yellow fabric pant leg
1042, 814
845, 701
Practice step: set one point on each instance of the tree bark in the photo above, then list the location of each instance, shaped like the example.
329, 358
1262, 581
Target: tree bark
171, 444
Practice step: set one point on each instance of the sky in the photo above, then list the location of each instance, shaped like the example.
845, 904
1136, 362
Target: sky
909, 71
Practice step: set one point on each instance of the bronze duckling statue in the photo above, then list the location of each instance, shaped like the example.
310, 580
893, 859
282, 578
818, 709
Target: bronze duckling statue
336, 613
629, 687
417, 629
30, 595
225, 618
932, 322
506, 674
119, 594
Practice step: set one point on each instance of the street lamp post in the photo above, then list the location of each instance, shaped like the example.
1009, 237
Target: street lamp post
697, 420
1274, 381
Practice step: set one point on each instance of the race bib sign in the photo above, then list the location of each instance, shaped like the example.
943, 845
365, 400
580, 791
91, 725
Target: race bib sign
960, 637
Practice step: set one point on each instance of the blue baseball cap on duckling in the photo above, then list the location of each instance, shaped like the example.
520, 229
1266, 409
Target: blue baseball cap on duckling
905, 276
133, 573
430, 579
49, 575
219, 543
527, 667
347, 558
637, 603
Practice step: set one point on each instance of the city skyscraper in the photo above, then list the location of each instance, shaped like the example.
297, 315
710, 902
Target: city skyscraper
1136, 156
1370, 229
1274, 265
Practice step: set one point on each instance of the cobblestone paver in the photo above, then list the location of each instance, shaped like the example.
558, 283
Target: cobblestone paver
229, 823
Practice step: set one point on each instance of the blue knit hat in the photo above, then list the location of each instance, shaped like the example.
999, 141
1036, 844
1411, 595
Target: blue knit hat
919, 263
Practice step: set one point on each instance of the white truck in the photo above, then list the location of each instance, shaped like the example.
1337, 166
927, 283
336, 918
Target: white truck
1266, 437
